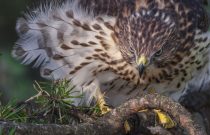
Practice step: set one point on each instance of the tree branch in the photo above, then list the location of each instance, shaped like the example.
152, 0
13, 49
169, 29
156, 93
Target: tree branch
112, 123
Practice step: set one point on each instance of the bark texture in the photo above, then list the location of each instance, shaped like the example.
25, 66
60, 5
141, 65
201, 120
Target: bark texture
113, 122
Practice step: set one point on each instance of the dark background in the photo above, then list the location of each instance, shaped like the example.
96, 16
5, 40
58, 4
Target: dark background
16, 80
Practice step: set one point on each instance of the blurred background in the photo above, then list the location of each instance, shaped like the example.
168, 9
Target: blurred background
16, 80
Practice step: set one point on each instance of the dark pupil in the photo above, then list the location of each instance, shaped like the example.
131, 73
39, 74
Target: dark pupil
158, 53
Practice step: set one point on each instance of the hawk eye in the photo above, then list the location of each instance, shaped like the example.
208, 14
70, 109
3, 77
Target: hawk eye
158, 53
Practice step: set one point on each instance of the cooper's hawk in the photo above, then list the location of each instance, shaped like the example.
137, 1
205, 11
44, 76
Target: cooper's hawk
123, 47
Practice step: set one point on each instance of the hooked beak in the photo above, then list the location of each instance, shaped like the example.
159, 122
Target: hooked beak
142, 61
141, 69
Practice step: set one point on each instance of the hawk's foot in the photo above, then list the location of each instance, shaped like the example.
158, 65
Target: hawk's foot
164, 119
104, 108
139, 122
146, 118
101, 103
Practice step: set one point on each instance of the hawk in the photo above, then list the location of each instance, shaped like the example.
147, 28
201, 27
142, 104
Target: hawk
117, 48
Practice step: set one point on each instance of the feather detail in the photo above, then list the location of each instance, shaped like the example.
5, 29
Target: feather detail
82, 41
66, 42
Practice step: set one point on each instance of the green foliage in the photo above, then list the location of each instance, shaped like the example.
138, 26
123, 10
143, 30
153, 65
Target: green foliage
12, 112
12, 131
56, 104
53, 103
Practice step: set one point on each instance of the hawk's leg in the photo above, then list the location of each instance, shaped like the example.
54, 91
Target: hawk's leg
139, 122
97, 98
102, 103
162, 118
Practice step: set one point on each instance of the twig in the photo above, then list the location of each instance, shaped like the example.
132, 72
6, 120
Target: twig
36, 96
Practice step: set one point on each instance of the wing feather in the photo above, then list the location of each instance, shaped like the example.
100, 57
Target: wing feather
66, 44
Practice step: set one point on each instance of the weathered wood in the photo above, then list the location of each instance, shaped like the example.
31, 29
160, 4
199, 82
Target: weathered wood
111, 123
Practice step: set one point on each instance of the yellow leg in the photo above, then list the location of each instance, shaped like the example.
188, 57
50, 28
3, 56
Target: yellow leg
102, 103
103, 106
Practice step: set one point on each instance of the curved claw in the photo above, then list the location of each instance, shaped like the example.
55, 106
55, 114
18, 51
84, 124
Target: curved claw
104, 109
164, 119
127, 127
101, 103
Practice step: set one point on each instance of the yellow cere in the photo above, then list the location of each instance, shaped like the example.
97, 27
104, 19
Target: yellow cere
142, 60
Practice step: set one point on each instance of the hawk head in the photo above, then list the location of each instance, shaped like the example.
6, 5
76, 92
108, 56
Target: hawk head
147, 37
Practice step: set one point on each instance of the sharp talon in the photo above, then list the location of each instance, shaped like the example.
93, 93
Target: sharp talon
104, 109
145, 110
103, 106
165, 120
127, 127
